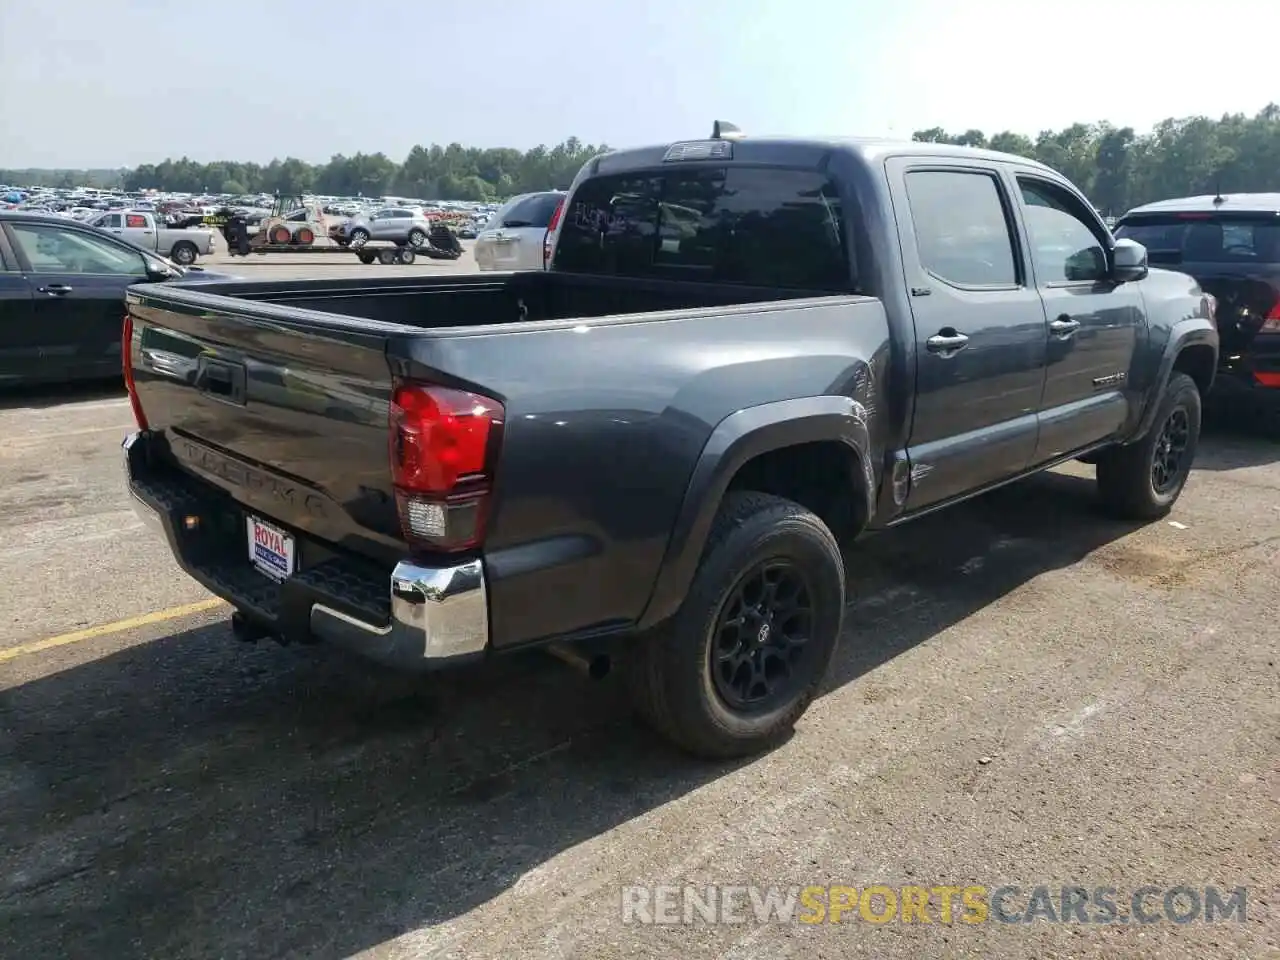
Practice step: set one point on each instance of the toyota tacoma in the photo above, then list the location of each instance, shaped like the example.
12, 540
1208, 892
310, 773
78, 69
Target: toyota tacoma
743, 354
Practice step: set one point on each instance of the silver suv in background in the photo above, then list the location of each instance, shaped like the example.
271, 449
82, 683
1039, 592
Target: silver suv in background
398, 224
514, 238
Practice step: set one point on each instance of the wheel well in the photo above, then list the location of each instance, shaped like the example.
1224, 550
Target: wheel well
1197, 361
823, 476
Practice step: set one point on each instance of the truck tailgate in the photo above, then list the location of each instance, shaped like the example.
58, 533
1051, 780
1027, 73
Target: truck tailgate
286, 415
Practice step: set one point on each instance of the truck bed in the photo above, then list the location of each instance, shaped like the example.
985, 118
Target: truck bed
489, 299
275, 397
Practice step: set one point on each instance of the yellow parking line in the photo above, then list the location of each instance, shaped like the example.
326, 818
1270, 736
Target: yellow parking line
12, 653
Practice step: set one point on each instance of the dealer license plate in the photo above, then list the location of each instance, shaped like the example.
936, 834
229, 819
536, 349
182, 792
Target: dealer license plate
271, 550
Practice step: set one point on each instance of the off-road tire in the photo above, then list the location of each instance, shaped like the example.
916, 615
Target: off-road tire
1125, 483
668, 671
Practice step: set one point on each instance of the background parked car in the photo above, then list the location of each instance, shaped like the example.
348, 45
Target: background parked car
1231, 246
62, 287
514, 239
398, 224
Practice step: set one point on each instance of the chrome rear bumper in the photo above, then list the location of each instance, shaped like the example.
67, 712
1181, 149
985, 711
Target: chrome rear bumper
438, 615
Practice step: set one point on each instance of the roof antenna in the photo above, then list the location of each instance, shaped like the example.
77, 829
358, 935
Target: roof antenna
1218, 198
724, 130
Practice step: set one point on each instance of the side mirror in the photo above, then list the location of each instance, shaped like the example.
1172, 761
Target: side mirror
158, 272
1128, 261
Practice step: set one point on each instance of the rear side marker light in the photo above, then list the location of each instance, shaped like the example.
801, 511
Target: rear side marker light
443, 444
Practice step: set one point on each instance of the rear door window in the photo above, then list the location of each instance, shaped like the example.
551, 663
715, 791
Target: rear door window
1206, 237
962, 227
748, 225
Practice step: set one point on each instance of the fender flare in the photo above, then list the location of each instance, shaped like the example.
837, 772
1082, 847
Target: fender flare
1187, 332
737, 439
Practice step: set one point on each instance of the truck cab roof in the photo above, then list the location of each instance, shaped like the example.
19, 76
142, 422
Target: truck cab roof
804, 151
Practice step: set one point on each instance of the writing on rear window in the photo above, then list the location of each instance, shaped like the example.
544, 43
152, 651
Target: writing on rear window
746, 225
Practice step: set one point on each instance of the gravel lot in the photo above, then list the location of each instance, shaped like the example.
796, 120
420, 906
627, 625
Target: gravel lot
1027, 693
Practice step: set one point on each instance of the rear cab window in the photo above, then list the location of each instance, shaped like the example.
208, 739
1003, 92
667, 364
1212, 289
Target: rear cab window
758, 226
1227, 237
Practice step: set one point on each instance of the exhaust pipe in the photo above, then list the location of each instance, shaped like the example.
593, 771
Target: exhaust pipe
593, 666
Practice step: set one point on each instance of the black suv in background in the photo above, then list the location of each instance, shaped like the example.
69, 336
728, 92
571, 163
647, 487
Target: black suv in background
1231, 246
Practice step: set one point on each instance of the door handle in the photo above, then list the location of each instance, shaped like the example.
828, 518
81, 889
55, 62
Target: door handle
221, 379
54, 289
947, 342
1063, 327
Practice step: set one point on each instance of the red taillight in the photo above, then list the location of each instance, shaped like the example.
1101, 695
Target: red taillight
126, 365
1271, 323
551, 229
443, 443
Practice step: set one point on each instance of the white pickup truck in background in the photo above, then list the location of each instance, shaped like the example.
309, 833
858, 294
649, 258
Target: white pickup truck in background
181, 245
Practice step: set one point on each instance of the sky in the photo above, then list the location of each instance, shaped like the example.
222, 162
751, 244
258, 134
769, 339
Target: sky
111, 83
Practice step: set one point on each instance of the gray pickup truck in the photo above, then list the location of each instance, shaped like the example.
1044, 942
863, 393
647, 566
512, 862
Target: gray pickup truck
744, 354
181, 245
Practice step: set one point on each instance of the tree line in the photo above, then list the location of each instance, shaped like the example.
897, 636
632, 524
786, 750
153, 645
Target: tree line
1119, 169
452, 172
1115, 166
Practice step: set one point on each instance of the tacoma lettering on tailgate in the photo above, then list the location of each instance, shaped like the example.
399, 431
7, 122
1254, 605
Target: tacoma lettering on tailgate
249, 478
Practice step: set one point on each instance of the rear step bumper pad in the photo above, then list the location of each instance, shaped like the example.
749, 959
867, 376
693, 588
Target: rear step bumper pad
437, 616
437, 613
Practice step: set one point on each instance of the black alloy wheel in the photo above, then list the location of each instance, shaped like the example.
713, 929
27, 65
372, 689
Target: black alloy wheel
761, 636
1170, 449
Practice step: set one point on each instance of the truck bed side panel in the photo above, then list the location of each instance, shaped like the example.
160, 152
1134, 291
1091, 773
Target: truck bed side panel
605, 422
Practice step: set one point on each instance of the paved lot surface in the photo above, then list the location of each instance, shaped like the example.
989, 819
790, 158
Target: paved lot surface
167, 792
